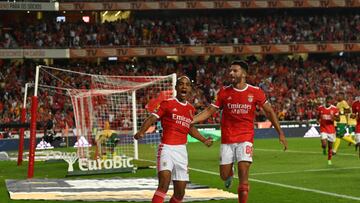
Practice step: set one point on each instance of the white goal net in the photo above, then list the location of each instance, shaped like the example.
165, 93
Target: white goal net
108, 110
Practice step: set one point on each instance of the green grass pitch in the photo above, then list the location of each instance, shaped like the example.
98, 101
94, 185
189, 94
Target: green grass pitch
299, 175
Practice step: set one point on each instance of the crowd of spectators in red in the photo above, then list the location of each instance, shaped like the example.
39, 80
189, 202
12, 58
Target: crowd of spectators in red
187, 29
295, 87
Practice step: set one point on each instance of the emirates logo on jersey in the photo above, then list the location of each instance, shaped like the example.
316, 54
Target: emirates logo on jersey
250, 97
238, 108
182, 120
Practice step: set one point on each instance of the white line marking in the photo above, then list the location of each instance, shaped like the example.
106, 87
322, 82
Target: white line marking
287, 186
302, 152
307, 170
306, 189
204, 171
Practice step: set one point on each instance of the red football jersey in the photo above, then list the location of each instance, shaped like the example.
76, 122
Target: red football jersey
238, 112
326, 115
356, 109
176, 118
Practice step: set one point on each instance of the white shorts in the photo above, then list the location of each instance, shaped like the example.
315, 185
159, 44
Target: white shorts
242, 151
328, 136
357, 138
173, 158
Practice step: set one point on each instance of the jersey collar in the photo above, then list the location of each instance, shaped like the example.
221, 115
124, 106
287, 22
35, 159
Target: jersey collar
184, 104
329, 107
240, 90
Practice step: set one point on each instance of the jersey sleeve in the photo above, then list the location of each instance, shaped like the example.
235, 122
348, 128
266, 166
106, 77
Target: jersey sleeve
160, 111
260, 98
343, 105
192, 111
346, 105
218, 99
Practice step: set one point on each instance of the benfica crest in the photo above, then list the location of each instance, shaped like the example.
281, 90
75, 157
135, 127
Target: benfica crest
250, 97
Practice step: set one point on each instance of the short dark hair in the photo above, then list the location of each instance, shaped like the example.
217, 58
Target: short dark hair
241, 63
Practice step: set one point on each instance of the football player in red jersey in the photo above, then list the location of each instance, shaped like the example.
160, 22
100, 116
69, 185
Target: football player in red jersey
238, 103
356, 115
326, 116
176, 117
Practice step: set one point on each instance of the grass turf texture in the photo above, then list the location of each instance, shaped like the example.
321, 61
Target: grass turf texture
302, 166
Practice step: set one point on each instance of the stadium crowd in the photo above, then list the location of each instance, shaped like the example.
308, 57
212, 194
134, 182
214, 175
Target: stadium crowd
183, 28
295, 87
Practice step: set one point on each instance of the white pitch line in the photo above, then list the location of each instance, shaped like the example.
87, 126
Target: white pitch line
308, 170
306, 189
287, 186
302, 152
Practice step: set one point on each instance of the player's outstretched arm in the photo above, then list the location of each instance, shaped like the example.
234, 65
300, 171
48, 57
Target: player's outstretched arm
275, 122
205, 114
196, 134
147, 123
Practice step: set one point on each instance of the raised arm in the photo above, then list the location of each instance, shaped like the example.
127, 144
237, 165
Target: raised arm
205, 114
270, 114
196, 134
147, 123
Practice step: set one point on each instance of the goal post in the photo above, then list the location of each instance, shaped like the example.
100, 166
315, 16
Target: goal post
134, 117
22, 130
34, 105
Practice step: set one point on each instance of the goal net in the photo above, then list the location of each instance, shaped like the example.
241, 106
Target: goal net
108, 109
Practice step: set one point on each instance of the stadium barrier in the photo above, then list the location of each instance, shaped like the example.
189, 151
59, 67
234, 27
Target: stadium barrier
180, 50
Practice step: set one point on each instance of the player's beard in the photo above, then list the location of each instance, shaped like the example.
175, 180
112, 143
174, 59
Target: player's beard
237, 80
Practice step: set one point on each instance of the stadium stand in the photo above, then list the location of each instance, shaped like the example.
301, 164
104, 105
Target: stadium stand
188, 28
